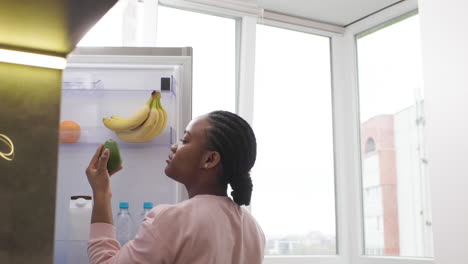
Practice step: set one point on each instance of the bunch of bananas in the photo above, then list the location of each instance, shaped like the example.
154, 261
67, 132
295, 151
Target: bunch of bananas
148, 122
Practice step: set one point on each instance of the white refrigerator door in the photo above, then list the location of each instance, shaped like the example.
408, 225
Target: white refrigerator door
102, 82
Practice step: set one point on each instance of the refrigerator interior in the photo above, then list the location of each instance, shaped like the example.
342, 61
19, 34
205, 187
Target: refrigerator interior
90, 92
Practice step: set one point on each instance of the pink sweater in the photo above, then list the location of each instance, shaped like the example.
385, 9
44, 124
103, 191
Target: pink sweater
205, 229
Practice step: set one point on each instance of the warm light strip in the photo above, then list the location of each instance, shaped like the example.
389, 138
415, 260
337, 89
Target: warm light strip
8, 156
32, 59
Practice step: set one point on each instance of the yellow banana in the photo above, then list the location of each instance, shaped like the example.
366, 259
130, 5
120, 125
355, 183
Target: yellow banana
139, 134
151, 133
125, 124
161, 122
165, 118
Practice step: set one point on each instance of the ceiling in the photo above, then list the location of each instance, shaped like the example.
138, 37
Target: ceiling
337, 12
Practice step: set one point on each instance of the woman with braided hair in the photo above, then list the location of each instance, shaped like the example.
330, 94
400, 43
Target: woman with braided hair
217, 149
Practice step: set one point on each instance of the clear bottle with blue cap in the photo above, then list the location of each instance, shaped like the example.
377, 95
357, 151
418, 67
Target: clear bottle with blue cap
147, 206
124, 224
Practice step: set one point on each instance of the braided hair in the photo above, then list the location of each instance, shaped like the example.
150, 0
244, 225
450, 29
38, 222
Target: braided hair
233, 138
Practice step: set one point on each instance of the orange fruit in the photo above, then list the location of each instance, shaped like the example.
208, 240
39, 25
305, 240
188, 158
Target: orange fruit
69, 132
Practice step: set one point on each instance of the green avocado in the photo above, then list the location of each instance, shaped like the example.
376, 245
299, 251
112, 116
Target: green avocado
115, 160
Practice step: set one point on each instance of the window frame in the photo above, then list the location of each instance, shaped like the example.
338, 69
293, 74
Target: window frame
391, 14
341, 248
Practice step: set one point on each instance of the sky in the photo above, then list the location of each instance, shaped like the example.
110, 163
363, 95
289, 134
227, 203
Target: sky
390, 71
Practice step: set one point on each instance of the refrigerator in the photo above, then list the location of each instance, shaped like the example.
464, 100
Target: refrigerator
100, 82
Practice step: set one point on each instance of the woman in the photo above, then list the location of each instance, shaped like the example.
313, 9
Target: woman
217, 149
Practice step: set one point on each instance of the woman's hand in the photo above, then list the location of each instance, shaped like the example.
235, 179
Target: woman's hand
98, 176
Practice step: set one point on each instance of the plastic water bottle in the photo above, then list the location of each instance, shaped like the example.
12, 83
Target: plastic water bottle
147, 206
124, 224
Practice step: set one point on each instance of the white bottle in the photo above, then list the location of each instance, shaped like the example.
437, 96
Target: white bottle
78, 230
79, 216
124, 224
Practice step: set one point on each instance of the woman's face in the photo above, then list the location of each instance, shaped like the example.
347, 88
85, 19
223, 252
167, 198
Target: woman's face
186, 159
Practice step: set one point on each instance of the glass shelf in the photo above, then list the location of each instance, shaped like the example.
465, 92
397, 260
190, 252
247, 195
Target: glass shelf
87, 83
72, 92
98, 135
77, 85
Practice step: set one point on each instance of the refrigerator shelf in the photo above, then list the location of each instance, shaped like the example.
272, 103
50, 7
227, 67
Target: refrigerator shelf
81, 91
98, 135
84, 85
122, 145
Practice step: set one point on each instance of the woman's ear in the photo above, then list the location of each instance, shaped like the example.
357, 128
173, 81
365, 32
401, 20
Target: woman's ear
211, 160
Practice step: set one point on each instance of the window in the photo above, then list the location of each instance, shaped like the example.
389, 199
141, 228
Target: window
108, 31
396, 204
370, 145
214, 55
294, 195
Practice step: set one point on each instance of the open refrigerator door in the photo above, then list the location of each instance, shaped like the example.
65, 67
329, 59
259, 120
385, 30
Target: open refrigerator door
101, 83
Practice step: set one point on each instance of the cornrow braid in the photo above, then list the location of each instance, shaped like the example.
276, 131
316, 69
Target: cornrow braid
234, 139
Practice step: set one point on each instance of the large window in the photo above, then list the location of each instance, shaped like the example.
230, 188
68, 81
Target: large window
294, 177
395, 191
214, 55
294, 194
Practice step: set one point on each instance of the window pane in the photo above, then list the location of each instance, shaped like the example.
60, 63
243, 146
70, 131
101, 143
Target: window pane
294, 194
108, 31
213, 40
397, 213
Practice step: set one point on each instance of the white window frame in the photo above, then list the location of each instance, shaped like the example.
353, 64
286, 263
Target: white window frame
342, 255
351, 134
346, 123
342, 250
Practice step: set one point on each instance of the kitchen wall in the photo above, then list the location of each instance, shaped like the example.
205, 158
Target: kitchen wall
445, 69
29, 116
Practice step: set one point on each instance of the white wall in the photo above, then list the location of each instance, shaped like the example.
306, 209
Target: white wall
445, 69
